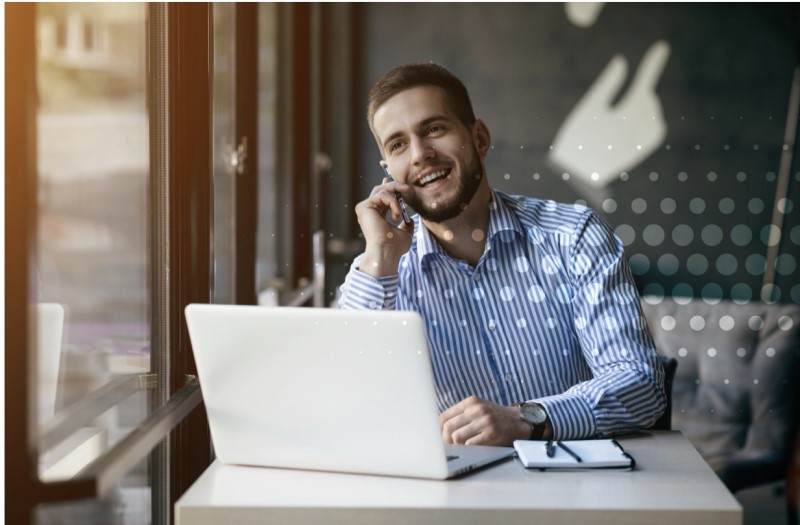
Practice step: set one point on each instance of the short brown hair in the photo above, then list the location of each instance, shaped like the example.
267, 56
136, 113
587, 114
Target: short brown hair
421, 74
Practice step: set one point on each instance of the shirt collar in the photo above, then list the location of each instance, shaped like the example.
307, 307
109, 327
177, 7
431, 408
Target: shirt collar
502, 224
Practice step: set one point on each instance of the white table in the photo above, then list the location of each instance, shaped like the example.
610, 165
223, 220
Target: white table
671, 485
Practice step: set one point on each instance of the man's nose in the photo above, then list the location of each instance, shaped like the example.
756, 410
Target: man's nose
421, 150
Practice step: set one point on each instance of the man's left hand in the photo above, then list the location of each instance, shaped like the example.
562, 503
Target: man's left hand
475, 421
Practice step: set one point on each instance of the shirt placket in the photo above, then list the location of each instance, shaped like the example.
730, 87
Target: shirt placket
490, 321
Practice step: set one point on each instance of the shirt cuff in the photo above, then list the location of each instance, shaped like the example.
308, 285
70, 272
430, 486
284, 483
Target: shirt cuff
570, 416
364, 292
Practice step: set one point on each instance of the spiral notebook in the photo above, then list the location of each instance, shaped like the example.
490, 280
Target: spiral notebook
577, 454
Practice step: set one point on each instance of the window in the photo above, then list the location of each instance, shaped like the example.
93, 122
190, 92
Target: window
127, 120
91, 275
109, 163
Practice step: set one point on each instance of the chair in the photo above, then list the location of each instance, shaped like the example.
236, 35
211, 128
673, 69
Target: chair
735, 391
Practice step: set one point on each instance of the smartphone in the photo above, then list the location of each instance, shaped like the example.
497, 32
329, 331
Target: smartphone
406, 218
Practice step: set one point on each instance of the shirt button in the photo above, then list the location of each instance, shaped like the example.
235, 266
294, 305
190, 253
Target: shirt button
373, 305
492, 325
509, 377
477, 277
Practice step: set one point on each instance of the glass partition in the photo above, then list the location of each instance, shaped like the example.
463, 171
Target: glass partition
91, 277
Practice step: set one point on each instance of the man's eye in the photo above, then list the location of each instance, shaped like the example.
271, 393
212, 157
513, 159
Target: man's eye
434, 129
394, 146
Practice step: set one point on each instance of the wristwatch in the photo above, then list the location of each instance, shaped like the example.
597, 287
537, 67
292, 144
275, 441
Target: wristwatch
536, 415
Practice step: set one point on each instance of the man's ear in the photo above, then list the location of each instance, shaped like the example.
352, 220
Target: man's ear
482, 137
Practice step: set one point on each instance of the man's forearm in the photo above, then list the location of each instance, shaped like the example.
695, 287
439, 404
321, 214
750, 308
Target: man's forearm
380, 262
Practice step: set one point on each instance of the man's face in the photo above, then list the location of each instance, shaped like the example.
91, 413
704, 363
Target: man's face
429, 148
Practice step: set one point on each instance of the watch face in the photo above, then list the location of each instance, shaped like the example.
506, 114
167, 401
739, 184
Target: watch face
533, 413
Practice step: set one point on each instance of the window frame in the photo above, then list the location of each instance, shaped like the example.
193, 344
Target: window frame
175, 436
180, 222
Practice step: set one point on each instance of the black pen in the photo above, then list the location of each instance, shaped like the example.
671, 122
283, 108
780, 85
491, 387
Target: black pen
569, 451
549, 448
406, 218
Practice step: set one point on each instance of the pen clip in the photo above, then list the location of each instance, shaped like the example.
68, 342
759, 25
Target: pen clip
569, 451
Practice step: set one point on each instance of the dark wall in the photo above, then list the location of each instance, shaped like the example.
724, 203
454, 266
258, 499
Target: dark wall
694, 212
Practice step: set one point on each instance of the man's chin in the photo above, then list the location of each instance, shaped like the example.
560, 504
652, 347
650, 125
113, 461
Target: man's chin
440, 213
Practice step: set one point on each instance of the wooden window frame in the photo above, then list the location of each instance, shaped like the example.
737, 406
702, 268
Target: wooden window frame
183, 236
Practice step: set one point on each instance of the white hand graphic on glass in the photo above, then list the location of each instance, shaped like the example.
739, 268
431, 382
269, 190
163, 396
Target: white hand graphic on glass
598, 141
583, 14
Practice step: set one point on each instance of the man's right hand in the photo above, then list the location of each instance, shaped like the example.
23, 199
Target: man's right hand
386, 243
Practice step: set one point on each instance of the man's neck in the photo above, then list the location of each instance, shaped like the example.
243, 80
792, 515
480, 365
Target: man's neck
464, 237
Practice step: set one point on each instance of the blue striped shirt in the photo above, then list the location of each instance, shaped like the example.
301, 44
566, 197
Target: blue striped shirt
549, 313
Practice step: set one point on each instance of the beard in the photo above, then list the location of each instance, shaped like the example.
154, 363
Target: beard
440, 211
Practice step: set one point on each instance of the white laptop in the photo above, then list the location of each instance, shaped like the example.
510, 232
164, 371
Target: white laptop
324, 389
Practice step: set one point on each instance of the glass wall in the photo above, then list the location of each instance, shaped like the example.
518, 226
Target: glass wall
92, 280
267, 270
225, 154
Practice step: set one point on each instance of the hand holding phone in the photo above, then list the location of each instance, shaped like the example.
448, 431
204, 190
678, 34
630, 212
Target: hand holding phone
406, 218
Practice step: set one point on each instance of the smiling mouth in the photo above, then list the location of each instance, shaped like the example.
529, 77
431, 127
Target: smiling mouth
433, 177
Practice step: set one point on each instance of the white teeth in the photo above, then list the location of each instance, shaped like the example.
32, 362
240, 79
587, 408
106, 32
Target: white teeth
433, 176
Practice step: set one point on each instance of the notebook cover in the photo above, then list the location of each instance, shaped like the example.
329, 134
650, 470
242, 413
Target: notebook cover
593, 453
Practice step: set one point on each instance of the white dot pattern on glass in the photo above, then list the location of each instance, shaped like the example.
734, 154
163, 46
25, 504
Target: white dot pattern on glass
653, 235
639, 205
668, 264
697, 323
785, 264
626, 234
550, 264
726, 322
756, 323
507, 294
536, 293
559, 271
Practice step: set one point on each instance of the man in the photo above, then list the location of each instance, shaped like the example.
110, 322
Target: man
525, 301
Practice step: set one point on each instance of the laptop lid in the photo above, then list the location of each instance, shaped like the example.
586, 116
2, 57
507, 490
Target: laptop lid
321, 389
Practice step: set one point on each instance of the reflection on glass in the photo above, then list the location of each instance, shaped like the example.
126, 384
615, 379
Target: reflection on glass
49, 336
224, 146
126, 504
92, 269
267, 280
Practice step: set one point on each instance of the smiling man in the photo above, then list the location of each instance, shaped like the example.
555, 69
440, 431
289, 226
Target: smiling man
533, 321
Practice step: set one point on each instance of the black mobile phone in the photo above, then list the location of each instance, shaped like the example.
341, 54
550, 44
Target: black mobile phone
406, 218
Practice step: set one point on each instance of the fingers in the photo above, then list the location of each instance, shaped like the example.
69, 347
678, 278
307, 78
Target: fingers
462, 430
475, 421
608, 84
651, 68
470, 422
383, 199
382, 202
453, 419
391, 186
